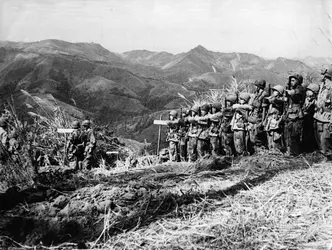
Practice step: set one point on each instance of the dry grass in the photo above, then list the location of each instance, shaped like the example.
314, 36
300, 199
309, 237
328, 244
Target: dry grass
218, 95
291, 211
194, 208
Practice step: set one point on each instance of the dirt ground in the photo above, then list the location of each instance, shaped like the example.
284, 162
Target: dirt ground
88, 209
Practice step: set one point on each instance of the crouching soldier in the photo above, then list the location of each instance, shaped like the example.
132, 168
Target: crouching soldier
75, 147
308, 135
239, 124
294, 115
273, 124
89, 140
214, 132
172, 136
183, 134
193, 134
323, 116
226, 133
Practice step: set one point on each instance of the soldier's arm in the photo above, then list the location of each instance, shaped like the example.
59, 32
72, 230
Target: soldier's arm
297, 94
92, 139
242, 106
4, 139
173, 122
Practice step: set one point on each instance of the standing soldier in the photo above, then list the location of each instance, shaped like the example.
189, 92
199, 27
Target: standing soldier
239, 123
322, 116
308, 136
89, 144
192, 134
294, 114
226, 132
183, 137
257, 136
172, 136
214, 132
75, 147
203, 131
273, 122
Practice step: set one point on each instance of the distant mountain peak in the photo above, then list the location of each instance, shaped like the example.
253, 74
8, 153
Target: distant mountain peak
199, 49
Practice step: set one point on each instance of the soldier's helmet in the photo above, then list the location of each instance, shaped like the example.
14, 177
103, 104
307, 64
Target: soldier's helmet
231, 98
244, 96
260, 84
173, 113
216, 105
75, 124
279, 88
86, 123
296, 76
205, 107
3, 122
195, 109
328, 73
314, 87
185, 111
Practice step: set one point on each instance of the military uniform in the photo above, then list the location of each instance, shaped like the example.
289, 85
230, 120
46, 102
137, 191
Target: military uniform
273, 124
239, 124
183, 135
4, 139
203, 124
308, 136
294, 116
257, 135
75, 148
226, 132
323, 117
193, 134
173, 137
89, 140
214, 131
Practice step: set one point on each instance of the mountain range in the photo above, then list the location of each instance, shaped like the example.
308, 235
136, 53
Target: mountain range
86, 79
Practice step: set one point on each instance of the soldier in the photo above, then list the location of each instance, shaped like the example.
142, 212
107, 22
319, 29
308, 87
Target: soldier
273, 122
226, 133
192, 134
75, 147
322, 116
183, 137
239, 124
214, 131
257, 135
4, 139
294, 114
203, 131
308, 136
172, 136
3, 133
89, 144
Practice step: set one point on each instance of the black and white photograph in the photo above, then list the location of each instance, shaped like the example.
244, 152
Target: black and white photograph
166, 124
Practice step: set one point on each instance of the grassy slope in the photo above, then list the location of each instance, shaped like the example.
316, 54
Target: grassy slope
290, 211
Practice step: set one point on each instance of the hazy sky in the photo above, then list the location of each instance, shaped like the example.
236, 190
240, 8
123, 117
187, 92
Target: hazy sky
269, 28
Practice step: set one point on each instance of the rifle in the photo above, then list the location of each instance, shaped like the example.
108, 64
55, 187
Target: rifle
286, 102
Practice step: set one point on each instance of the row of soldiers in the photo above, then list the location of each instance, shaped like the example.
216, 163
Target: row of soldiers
291, 120
81, 144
